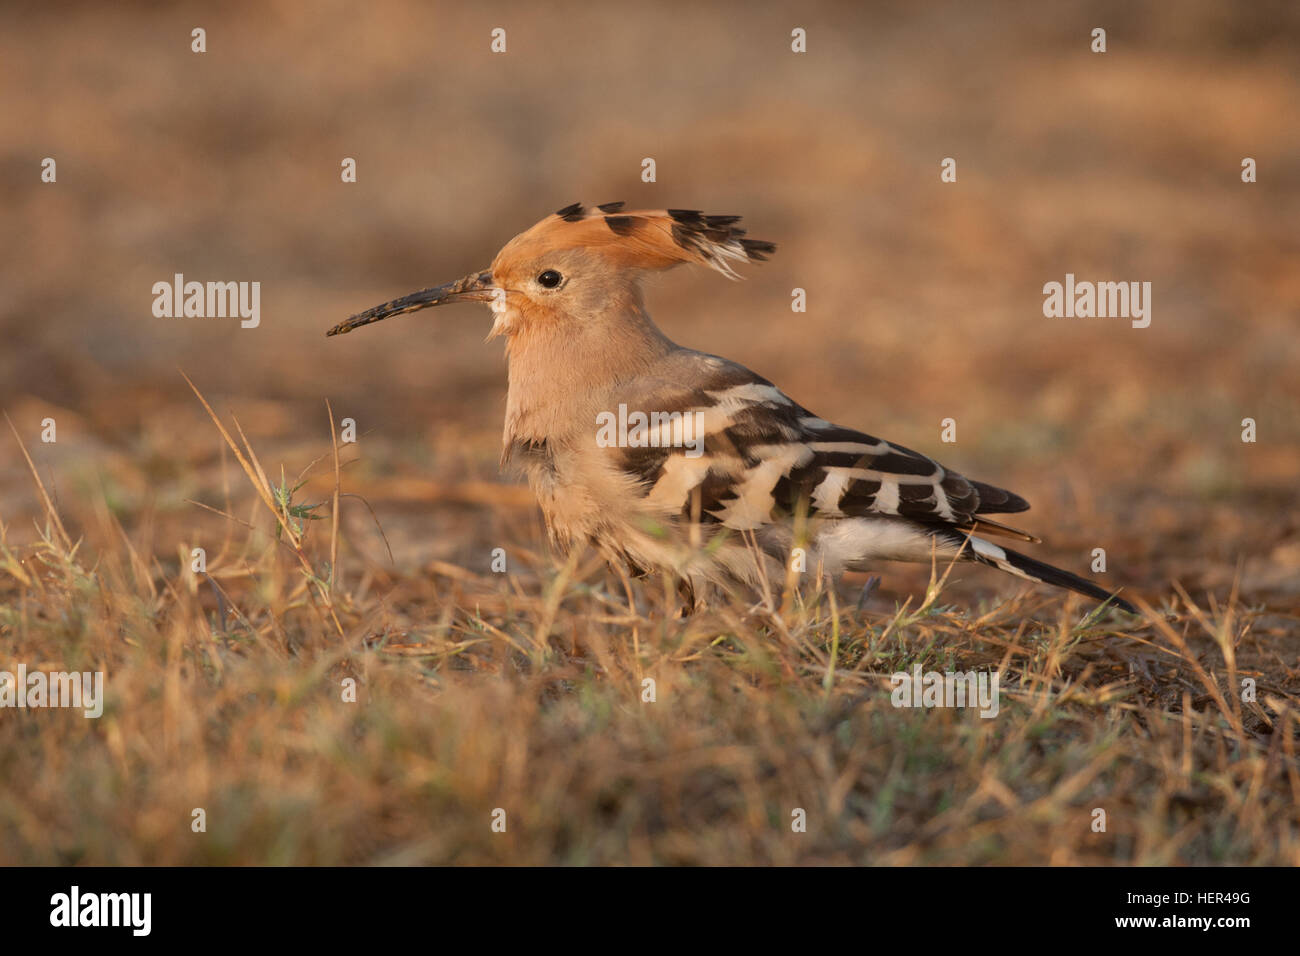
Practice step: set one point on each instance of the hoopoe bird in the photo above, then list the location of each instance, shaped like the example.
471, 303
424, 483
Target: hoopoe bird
713, 473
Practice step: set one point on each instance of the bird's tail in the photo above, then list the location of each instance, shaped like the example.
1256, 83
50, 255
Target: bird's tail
1023, 566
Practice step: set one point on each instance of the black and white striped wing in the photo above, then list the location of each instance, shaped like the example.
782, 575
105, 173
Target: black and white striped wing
763, 457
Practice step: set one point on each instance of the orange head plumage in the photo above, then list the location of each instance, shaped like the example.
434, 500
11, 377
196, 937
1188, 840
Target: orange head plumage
584, 262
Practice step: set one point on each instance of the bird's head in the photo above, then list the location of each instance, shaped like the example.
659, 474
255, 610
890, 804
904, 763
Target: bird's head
581, 263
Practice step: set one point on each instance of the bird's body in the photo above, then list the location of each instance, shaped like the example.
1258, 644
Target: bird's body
665, 458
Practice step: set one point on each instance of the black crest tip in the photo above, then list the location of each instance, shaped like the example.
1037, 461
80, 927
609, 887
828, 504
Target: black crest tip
620, 225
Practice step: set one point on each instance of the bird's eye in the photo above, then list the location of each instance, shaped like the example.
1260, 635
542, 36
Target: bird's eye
549, 279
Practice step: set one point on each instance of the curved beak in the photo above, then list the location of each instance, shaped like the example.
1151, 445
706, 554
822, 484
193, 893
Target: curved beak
476, 287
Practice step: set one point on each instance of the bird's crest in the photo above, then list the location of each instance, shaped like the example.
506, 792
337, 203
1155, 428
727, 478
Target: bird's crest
646, 239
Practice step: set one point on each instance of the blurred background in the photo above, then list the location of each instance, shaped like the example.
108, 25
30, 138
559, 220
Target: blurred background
924, 298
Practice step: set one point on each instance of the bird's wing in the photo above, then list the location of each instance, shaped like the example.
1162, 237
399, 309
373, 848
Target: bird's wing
763, 456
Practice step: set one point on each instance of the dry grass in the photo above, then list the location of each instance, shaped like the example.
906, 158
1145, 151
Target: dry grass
523, 691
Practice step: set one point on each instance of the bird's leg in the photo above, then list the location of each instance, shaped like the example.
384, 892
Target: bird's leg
631, 606
627, 587
686, 590
868, 589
